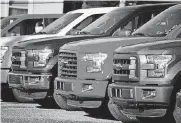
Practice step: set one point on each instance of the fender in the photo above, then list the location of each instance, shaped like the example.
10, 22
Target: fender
53, 61
175, 71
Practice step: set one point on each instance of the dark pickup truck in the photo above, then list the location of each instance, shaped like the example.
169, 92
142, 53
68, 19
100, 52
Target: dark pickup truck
34, 75
85, 67
146, 79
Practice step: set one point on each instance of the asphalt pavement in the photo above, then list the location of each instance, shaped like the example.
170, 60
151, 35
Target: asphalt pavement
14, 112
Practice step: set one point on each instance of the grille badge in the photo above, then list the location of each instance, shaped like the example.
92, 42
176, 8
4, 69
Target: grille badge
63, 62
119, 66
13, 58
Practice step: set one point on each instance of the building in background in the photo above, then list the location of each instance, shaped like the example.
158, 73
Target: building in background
15, 7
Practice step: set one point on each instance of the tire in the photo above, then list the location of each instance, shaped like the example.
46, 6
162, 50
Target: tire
177, 114
17, 94
7, 95
118, 115
47, 102
61, 101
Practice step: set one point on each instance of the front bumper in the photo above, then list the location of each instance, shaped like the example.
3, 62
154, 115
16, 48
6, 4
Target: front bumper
4, 75
79, 97
179, 99
133, 101
35, 85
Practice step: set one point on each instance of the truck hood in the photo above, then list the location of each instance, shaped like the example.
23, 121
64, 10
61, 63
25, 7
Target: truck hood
9, 41
161, 47
53, 42
108, 44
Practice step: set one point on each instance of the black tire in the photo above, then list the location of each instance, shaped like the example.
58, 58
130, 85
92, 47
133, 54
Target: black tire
177, 114
17, 94
118, 115
47, 102
7, 95
61, 101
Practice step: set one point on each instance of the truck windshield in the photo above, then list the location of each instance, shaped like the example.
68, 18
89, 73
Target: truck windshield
6, 21
105, 23
60, 23
161, 25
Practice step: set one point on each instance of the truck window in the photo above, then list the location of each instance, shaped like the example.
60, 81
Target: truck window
136, 22
161, 25
106, 22
47, 21
25, 27
6, 21
179, 35
60, 23
84, 23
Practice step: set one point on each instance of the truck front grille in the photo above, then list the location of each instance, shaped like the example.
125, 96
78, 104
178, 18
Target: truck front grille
67, 63
125, 68
15, 79
19, 59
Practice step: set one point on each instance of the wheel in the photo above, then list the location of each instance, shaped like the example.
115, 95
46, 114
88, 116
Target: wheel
7, 95
177, 114
118, 115
61, 101
18, 96
47, 102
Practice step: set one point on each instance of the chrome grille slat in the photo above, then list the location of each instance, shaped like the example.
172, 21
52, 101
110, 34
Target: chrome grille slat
67, 65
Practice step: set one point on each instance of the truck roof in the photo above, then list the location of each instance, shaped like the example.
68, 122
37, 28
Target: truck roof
26, 16
94, 10
145, 6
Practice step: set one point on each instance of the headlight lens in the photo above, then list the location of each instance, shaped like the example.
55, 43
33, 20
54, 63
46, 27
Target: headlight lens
41, 57
3, 50
97, 59
160, 62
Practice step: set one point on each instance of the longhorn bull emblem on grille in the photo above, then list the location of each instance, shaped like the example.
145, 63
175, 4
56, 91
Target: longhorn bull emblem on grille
63, 62
119, 66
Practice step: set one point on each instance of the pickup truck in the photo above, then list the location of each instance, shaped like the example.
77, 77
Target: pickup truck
177, 111
85, 67
146, 79
68, 24
25, 24
39, 85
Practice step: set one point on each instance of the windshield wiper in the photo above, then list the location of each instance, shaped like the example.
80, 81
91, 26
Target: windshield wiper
83, 33
140, 34
40, 33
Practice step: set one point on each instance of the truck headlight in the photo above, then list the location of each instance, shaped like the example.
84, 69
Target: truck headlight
160, 64
3, 50
41, 57
97, 60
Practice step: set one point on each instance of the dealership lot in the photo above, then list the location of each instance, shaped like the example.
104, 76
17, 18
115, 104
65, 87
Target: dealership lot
14, 112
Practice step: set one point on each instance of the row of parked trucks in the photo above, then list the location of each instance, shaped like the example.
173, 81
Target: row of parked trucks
125, 64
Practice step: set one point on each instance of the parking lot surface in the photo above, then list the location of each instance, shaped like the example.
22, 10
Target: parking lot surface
13, 112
